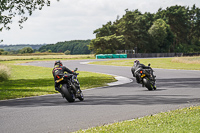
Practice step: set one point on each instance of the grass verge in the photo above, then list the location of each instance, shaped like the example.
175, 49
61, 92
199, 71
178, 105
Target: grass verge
45, 57
185, 120
185, 63
29, 81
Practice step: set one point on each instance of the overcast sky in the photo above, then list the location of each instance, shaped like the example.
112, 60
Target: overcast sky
77, 19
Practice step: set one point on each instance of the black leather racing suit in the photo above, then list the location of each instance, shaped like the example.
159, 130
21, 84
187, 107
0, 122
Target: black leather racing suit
136, 67
58, 72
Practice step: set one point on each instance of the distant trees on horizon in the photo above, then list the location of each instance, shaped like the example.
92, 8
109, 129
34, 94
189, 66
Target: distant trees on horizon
73, 47
68, 47
174, 29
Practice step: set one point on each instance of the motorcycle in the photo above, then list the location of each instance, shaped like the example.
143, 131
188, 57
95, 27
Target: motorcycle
70, 88
146, 77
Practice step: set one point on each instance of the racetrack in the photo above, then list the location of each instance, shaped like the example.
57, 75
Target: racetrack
51, 113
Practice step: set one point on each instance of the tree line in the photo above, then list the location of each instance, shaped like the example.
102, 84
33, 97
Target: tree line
73, 47
20, 46
19, 49
174, 29
24, 50
68, 47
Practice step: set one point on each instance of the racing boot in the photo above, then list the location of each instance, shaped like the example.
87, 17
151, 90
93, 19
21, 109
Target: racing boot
78, 93
58, 89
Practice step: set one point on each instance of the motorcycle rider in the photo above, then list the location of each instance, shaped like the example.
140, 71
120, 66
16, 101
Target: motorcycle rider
136, 66
58, 72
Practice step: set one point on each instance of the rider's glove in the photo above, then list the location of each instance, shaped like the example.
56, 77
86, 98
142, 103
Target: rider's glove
76, 73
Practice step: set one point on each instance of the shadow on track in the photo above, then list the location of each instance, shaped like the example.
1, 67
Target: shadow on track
102, 100
133, 96
176, 83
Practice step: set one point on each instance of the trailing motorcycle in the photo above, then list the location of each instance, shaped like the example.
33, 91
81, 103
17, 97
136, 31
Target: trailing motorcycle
70, 88
146, 78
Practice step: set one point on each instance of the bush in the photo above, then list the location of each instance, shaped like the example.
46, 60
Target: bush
4, 73
5, 53
26, 50
1, 51
67, 52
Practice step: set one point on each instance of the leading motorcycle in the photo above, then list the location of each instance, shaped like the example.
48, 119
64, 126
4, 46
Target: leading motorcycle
70, 88
146, 77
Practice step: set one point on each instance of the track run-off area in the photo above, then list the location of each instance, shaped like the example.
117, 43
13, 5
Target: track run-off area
123, 100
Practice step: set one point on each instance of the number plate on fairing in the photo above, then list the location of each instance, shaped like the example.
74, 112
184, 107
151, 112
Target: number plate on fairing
59, 80
143, 75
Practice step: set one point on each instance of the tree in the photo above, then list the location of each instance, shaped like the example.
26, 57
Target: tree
106, 30
178, 19
194, 34
174, 29
107, 44
1, 51
159, 31
5, 53
128, 26
185, 27
12, 8
26, 50
126, 33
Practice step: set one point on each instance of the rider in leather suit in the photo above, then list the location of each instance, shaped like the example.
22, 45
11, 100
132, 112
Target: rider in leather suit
58, 72
137, 65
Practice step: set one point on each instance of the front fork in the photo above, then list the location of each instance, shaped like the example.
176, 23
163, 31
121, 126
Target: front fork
76, 90
72, 86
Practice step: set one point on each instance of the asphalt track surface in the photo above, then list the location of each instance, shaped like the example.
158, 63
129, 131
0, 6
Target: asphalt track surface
103, 105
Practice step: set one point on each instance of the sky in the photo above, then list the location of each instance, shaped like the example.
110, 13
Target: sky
68, 20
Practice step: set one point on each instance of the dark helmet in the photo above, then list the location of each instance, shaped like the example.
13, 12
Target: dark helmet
58, 62
136, 62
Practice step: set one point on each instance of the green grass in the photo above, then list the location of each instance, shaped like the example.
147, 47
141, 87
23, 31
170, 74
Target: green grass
29, 81
185, 63
45, 57
185, 120
91, 80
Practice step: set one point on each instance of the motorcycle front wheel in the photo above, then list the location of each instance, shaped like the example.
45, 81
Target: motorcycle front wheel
81, 97
147, 84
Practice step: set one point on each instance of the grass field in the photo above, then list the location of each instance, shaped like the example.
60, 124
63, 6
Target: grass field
185, 120
185, 63
26, 81
45, 57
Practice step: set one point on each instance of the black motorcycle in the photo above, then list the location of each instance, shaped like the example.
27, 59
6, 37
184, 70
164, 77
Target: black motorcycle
70, 89
146, 78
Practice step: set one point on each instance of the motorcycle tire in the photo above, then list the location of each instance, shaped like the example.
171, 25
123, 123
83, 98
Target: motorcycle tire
81, 97
147, 84
154, 87
67, 93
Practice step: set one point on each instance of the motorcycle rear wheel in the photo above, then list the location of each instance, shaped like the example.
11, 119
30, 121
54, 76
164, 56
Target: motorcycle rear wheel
67, 93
